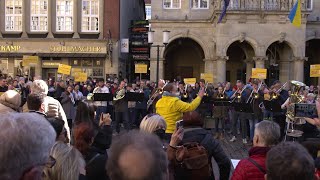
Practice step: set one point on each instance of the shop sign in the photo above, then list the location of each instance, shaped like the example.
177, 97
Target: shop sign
141, 68
75, 49
124, 45
207, 77
139, 29
315, 70
259, 73
50, 64
64, 69
140, 56
190, 81
140, 22
140, 50
30, 60
9, 48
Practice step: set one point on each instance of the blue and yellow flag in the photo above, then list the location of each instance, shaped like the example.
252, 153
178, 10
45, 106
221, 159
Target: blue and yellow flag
295, 14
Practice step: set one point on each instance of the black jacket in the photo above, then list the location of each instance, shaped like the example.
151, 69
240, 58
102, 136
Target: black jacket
213, 147
95, 165
103, 138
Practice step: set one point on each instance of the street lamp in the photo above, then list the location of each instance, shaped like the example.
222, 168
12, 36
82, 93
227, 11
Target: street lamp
165, 41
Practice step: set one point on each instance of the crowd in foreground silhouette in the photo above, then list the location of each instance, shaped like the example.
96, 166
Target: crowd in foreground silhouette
45, 142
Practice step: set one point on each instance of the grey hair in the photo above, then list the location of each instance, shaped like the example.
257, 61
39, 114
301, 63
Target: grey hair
151, 123
39, 86
268, 131
26, 139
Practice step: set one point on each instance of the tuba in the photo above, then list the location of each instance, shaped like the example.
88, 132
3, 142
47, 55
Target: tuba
294, 98
120, 94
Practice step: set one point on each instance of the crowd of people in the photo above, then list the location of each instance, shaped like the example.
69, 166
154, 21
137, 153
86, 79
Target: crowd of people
55, 131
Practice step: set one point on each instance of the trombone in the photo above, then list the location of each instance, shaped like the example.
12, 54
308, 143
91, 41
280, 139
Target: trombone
185, 94
159, 91
254, 94
238, 94
222, 96
274, 95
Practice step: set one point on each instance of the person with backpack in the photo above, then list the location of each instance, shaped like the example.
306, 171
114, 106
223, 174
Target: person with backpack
266, 135
191, 149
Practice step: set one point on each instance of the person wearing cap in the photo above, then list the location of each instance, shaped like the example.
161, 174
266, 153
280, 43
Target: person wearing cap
171, 108
10, 102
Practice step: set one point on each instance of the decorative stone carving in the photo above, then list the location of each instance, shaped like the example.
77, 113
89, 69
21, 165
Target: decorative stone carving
242, 36
300, 59
282, 37
222, 58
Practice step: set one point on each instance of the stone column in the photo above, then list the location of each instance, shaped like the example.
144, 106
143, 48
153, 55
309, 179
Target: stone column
285, 71
260, 61
249, 66
153, 69
221, 68
298, 66
209, 67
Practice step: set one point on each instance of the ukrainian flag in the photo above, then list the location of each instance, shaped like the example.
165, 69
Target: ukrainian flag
295, 14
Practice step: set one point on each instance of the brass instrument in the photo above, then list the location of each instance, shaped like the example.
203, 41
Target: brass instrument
120, 94
185, 94
159, 91
90, 97
238, 94
205, 90
274, 95
254, 94
294, 98
222, 96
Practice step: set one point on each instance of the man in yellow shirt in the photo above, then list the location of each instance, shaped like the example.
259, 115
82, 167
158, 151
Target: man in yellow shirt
171, 108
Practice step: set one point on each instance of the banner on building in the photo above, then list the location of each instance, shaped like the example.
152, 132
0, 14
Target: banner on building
259, 73
207, 77
141, 68
190, 81
125, 45
64, 69
315, 70
30, 60
80, 77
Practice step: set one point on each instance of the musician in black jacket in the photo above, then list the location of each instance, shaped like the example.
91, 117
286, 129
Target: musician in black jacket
120, 104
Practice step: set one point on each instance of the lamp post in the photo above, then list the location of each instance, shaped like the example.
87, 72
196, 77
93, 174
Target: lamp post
165, 43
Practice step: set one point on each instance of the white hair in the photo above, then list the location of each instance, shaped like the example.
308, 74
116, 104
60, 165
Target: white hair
151, 123
26, 140
39, 86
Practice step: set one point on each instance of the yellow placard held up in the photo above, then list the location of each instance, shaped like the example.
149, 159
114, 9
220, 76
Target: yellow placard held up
207, 77
81, 77
141, 68
75, 71
190, 81
64, 69
29, 60
315, 70
259, 73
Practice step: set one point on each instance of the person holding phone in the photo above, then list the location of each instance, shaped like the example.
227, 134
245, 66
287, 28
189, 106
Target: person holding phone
171, 108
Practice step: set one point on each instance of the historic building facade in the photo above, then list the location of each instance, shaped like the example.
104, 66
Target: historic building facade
254, 33
84, 34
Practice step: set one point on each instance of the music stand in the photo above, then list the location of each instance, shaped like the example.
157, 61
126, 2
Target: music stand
221, 102
102, 97
134, 96
243, 107
207, 99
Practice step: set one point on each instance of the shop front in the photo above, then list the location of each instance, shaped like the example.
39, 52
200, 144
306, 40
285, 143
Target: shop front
87, 55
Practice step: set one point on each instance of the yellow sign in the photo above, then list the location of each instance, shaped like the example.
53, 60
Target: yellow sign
258, 73
75, 49
190, 81
315, 70
27, 60
81, 77
75, 71
207, 77
141, 68
64, 69
9, 48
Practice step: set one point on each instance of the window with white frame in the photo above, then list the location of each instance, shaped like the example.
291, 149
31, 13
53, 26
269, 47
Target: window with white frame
13, 15
171, 4
200, 4
90, 16
64, 21
39, 15
148, 12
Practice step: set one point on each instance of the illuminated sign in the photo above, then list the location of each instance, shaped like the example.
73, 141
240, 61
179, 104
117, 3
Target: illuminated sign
9, 48
75, 49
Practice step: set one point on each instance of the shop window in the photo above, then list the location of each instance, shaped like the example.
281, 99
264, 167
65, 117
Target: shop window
39, 15
93, 68
13, 15
64, 13
90, 16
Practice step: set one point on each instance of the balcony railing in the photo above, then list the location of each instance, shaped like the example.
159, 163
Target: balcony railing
266, 5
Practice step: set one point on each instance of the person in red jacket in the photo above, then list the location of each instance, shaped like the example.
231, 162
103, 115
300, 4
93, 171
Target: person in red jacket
266, 135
